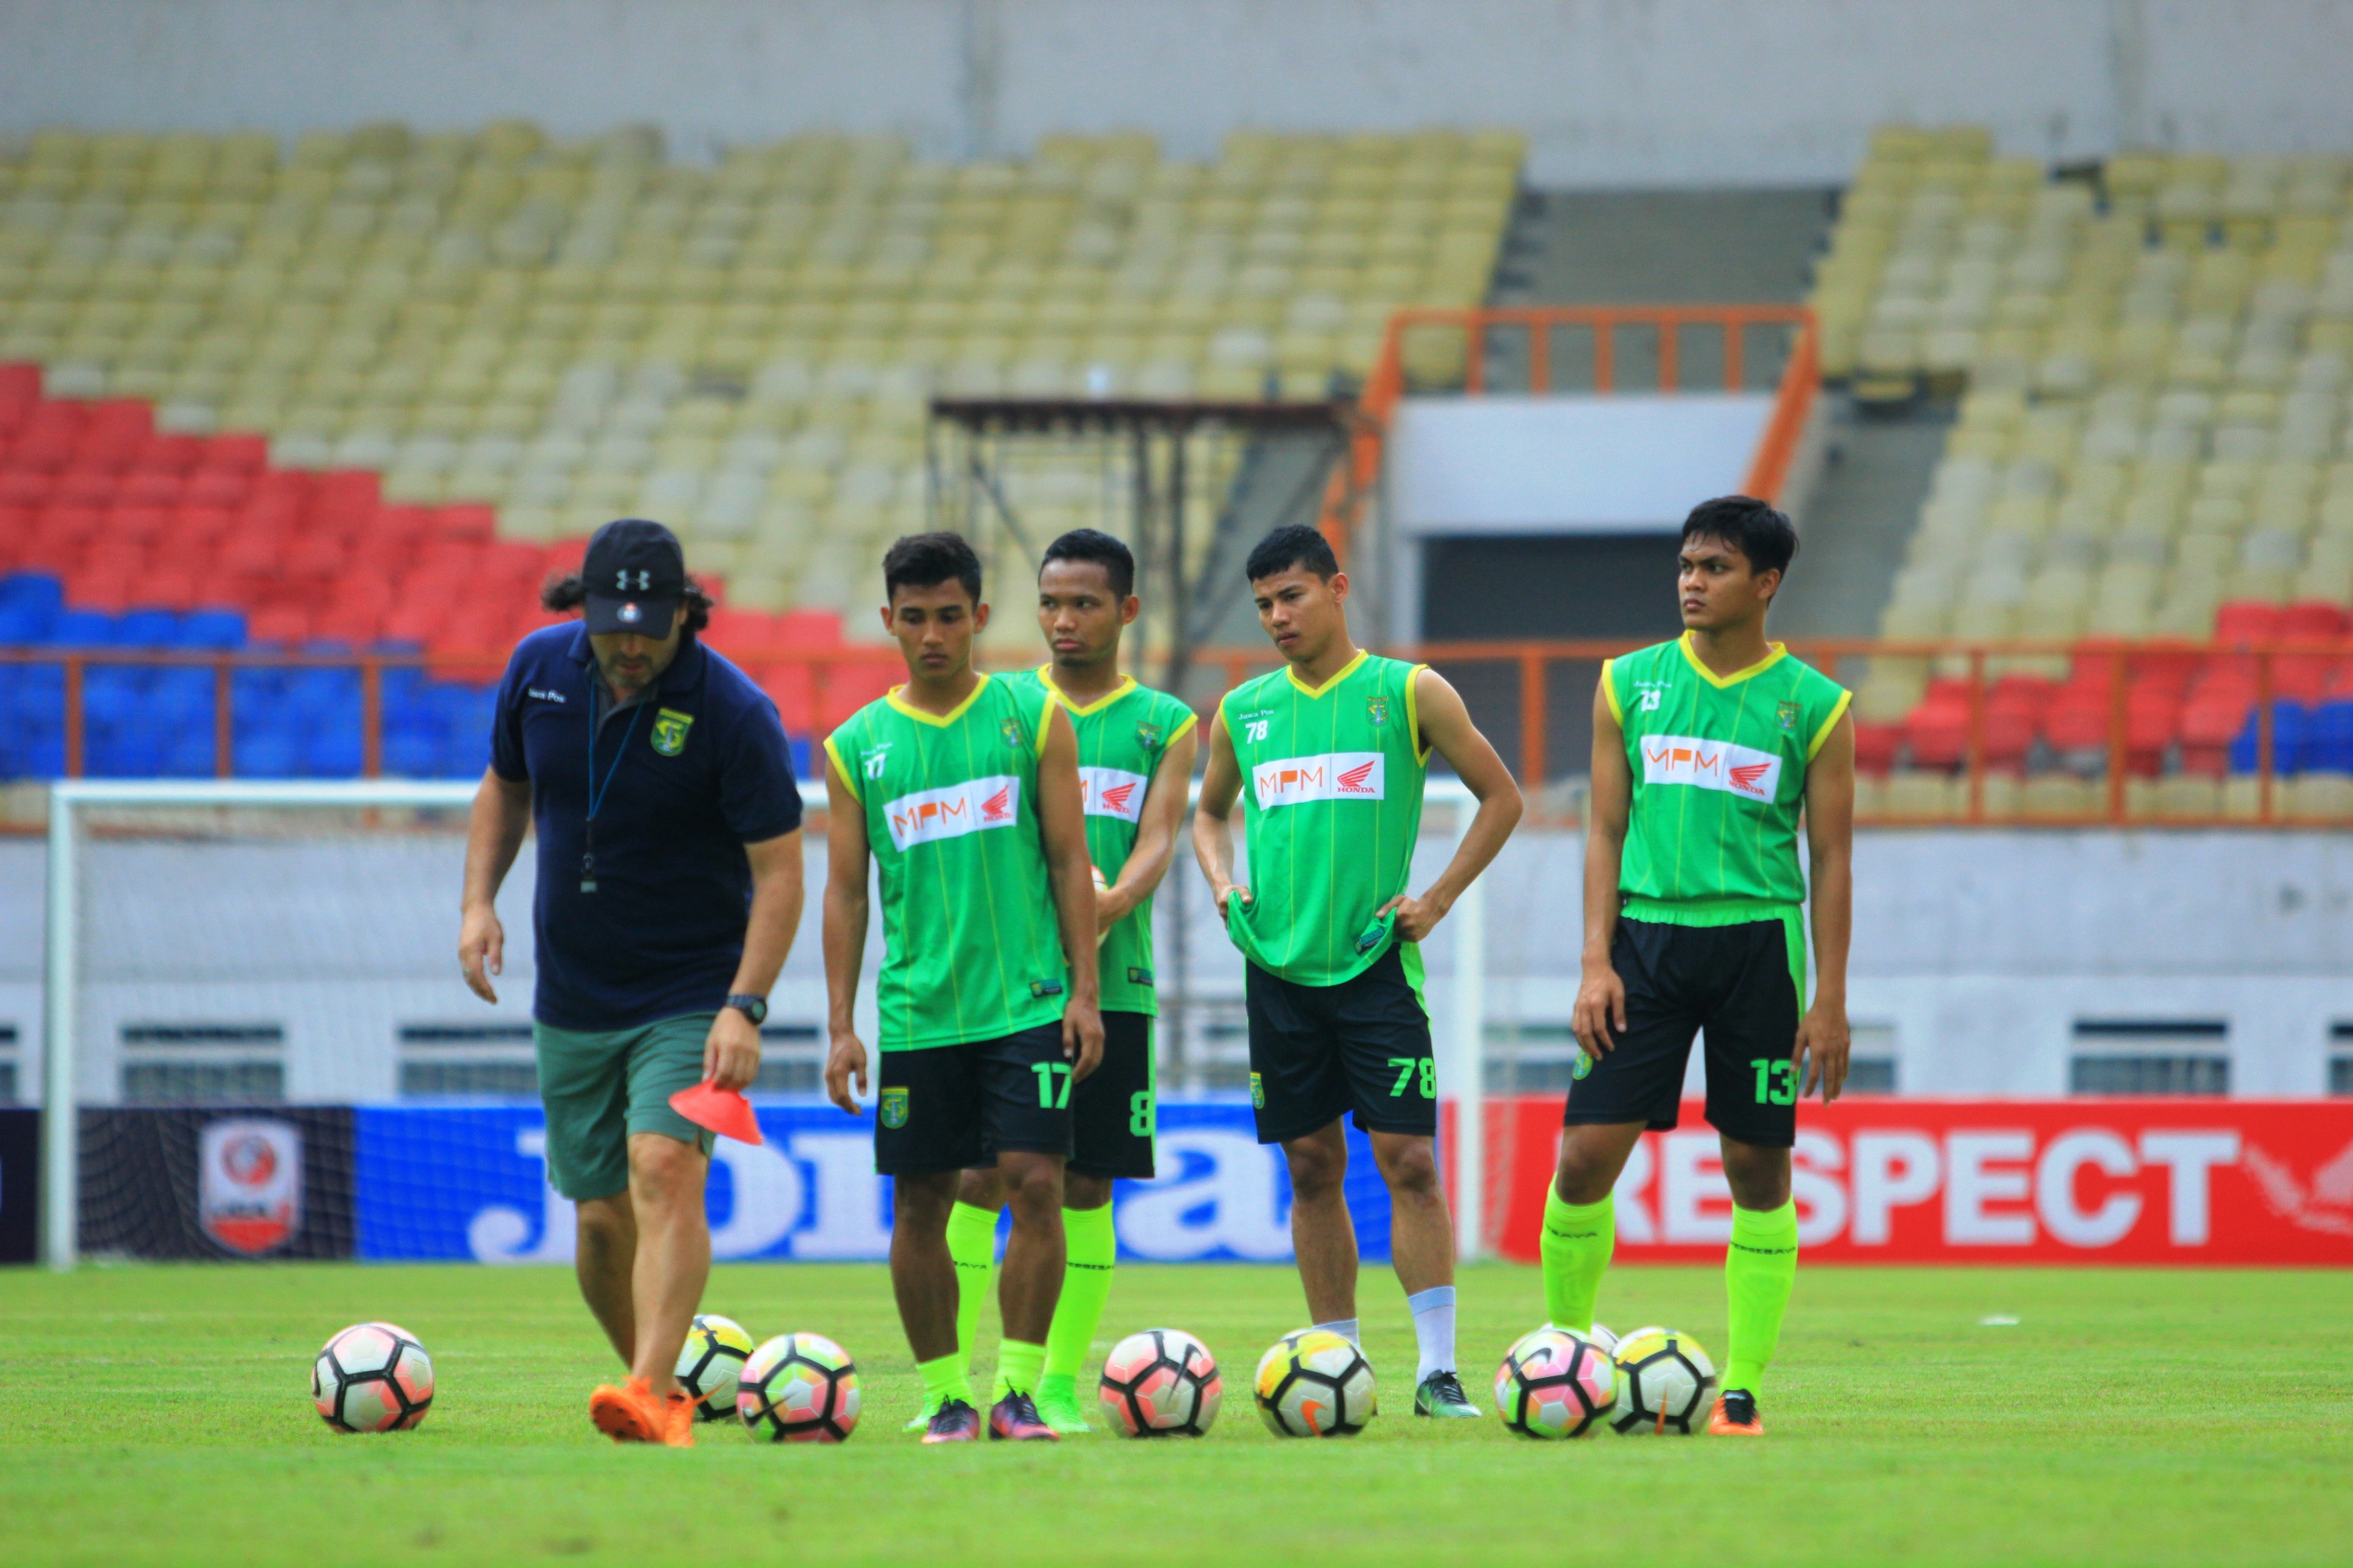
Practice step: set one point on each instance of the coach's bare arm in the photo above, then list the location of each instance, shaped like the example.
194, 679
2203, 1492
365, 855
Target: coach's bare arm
1822, 1035
731, 1051
1446, 728
846, 854
495, 829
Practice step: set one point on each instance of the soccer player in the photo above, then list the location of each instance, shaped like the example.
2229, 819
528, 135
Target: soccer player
963, 789
1333, 748
1135, 752
1705, 751
668, 891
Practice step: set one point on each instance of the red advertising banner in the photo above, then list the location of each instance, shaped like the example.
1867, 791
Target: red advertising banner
1910, 1181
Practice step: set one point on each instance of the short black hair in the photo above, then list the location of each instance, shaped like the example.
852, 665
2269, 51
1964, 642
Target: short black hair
1757, 529
1093, 544
1294, 544
567, 592
926, 560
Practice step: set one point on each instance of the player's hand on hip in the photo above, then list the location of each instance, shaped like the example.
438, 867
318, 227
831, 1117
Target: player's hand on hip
731, 1051
845, 1061
1600, 1006
481, 950
1232, 890
1082, 1039
1416, 918
1823, 1041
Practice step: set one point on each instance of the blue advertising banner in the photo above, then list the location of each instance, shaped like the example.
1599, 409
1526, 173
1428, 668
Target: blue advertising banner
470, 1182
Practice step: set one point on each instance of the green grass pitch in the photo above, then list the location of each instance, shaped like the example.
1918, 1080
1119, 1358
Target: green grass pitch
159, 1414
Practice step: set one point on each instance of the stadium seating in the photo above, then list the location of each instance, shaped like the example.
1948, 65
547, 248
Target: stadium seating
362, 391
2152, 367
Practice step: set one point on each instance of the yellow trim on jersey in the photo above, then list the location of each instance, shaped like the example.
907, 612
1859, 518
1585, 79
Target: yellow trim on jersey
938, 721
1414, 711
848, 774
1046, 678
1609, 693
1737, 676
1345, 671
1046, 720
1838, 712
1177, 733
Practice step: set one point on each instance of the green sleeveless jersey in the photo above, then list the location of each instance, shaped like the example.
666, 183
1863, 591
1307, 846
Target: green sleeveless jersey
1331, 806
1122, 738
1719, 766
971, 947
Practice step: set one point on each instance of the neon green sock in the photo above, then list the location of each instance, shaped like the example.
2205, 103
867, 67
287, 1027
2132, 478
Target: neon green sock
1086, 1287
971, 1241
1017, 1365
1578, 1239
944, 1380
1759, 1268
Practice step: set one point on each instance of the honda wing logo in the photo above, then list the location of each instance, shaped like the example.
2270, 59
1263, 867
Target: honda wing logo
1113, 792
1711, 764
1335, 775
974, 806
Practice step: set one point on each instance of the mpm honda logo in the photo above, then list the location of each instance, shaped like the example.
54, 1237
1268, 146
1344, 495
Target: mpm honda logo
1710, 764
953, 811
1334, 775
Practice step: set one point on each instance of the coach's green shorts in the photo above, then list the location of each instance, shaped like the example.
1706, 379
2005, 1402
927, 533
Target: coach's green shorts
600, 1086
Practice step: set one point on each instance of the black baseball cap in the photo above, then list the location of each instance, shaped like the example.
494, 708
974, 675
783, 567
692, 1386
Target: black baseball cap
634, 577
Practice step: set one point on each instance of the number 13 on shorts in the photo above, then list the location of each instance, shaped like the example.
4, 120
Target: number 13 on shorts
1409, 1069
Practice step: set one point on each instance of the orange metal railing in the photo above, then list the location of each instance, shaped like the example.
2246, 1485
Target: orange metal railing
1768, 469
1532, 665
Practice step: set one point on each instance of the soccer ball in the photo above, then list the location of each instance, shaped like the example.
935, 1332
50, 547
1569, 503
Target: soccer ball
1555, 1383
372, 1377
709, 1362
1162, 1382
1665, 1383
798, 1388
1315, 1383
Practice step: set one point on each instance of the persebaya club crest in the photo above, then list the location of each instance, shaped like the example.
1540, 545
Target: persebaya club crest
1786, 714
1013, 731
1377, 709
1148, 736
669, 730
894, 1109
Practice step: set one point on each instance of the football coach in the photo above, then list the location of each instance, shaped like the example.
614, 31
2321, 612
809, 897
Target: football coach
659, 784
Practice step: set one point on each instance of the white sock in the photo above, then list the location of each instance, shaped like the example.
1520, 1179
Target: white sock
1345, 1328
1434, 1328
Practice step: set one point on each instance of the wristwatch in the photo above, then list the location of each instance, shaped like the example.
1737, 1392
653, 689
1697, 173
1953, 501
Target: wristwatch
753, 1007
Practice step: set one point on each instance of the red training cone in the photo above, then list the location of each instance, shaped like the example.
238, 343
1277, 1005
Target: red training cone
725, 1111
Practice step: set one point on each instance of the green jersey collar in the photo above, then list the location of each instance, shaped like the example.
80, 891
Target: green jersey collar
1344, 673
1046, 678
940, 721
1737, 676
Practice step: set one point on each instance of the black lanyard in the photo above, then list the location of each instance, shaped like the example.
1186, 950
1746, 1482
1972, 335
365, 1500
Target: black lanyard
596, 793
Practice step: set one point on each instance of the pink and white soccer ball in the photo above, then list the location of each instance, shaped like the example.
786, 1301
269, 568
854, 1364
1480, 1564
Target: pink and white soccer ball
798, 1388
1162, 1382
1555, 1383
372, 1377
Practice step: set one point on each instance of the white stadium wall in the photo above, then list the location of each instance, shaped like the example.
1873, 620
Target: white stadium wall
1610, 92
1978, 955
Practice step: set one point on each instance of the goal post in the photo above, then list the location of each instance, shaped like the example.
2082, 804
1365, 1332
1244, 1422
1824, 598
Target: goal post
136, 925
69, 800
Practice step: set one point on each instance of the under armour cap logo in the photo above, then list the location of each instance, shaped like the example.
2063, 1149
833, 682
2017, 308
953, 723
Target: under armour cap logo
631, 614
645, 579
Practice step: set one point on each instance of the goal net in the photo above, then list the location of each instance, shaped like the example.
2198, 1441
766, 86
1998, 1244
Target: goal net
251, 1040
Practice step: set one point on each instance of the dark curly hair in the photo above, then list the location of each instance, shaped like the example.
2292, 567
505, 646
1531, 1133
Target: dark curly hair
565, 593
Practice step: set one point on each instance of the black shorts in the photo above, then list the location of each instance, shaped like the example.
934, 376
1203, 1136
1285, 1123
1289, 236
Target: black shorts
946, 1108
1739, 984
1113, 1110
1362, 1046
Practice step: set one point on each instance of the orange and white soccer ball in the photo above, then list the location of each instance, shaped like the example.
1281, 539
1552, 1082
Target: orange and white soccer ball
372, 1377
798, 1388
1555, 1383
1162, 1382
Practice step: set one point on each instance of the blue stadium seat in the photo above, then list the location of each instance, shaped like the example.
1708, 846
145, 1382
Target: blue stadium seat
2289, 724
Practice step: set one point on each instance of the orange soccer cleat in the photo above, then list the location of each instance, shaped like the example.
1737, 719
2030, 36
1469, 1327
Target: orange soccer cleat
678, 1420
629, 1413
1735, 1416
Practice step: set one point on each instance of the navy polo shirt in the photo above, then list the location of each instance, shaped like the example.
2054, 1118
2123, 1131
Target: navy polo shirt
700, 768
